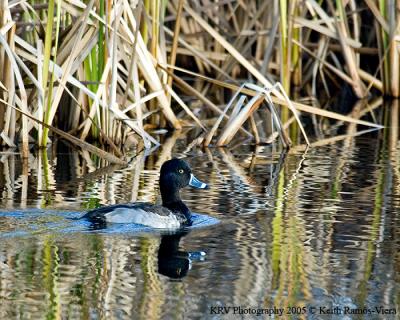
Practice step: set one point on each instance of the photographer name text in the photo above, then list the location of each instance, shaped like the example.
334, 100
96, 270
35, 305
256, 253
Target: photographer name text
321, 310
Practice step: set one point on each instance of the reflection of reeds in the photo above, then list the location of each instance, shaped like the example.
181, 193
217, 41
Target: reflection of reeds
284, 240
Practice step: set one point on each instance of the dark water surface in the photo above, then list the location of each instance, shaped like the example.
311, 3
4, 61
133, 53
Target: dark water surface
319, 230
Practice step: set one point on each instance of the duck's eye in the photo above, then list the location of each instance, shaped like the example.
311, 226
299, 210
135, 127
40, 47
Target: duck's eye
180, 170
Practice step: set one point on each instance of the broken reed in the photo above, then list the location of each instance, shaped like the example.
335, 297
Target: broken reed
102, 60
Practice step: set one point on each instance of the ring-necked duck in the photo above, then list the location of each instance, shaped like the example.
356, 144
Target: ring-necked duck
175, 174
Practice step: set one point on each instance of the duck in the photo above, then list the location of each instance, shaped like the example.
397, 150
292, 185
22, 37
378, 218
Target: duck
175, 174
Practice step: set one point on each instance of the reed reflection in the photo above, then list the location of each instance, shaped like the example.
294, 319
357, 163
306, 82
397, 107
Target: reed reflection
320, 227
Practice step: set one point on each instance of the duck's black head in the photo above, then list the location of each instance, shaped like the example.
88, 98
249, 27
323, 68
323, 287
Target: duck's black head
176, 174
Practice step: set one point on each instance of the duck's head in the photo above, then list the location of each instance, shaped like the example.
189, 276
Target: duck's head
176, 174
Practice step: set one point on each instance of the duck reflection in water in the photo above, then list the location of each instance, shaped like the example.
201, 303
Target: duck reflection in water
172, 262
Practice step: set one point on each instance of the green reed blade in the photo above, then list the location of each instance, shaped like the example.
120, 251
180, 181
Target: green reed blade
51, 84
48, 42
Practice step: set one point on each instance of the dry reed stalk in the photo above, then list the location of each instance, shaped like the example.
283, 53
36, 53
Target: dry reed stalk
102, 134
201, 55
198, 43
368, 51
356, 26
4, 78
23, 102
374, 82
243, 61
274, 16
229, 47
210, 55
11, 121
40, 111
174, 46
94, 108
184, 107
101, 153
337, 71
66, 74
67, 69
379, 18
394, 30
133, 62
330, 114
246, 25
321, 53
148, 70
117, 11
209, 136
141, 100
348, 52
327, 32
56, 69
240, 43
280, 101
387, 25
254, 129
230, 130
131, 124
7, 126
185, 86
139, 112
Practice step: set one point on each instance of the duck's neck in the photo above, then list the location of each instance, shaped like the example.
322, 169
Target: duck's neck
171, 199
169, 195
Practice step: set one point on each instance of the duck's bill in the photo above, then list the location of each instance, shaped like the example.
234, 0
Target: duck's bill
196, 183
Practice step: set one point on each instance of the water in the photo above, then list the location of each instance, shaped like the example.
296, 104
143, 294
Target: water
307, 232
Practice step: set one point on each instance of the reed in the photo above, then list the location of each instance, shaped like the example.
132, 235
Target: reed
48, 87
114, 65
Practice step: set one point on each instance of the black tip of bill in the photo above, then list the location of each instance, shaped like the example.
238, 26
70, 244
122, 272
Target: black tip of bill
196, 183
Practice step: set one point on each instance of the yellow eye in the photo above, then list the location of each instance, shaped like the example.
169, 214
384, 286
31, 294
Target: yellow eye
180, 170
